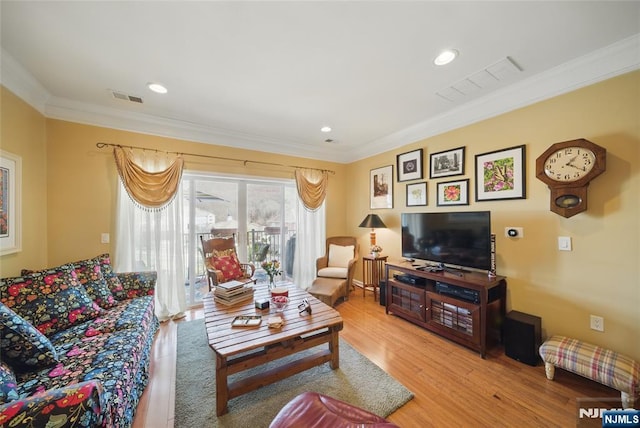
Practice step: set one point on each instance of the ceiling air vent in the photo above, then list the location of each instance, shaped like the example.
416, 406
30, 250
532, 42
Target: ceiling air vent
126, 97
485, 78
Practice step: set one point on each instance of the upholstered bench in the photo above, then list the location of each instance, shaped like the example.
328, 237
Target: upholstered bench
593, 362
313, 410
327, 290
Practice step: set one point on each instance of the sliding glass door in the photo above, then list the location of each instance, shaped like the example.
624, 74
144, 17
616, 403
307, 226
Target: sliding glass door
261, 214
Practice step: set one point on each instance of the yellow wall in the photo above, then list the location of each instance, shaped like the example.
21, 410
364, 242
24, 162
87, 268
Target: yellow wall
601, 276
83, 179
23, 133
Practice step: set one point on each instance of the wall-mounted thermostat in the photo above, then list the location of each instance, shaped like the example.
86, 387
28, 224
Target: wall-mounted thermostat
514, 232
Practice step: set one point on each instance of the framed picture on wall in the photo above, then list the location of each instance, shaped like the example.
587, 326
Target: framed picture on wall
417, 194
10, 203
381, 187
453, 193
501, 174
447, 163
409, 165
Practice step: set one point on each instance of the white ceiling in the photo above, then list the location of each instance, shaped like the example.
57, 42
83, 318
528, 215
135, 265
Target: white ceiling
268, 75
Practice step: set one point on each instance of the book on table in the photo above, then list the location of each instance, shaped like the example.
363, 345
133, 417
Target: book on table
230, 293
232, 300
232, 285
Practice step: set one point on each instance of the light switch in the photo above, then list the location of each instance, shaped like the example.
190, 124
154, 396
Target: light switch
104, 238
564, 243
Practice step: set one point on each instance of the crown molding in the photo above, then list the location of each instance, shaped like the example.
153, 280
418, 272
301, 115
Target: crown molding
22, 83
610, 61
107, 117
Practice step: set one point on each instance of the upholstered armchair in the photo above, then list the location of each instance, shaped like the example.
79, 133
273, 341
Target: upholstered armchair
221, 261
336, 269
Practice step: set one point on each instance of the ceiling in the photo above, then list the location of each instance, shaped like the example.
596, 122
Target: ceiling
268, 75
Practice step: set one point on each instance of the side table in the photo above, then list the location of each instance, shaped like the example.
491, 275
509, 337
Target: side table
372, 272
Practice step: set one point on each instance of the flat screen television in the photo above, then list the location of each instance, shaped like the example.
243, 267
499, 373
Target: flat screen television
456, 239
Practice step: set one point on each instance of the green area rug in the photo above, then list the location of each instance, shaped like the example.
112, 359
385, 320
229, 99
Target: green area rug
358, 381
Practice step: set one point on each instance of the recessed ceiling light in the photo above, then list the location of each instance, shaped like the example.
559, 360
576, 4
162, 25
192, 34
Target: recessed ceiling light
157, 88
445, 57
325, 129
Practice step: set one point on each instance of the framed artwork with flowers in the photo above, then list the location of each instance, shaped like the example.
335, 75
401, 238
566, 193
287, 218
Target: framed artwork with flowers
501, 174
453, 193
417, 194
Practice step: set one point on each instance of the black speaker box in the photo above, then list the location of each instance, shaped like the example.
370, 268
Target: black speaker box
522, 337
383, 292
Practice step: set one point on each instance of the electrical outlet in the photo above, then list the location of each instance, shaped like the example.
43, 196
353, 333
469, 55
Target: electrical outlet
597, 323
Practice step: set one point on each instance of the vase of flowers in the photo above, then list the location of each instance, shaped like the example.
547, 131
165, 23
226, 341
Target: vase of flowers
272, 269
375, 251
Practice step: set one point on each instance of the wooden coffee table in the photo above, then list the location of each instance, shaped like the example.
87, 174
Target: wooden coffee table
241, 348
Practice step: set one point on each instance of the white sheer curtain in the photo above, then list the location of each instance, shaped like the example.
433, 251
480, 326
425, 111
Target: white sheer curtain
153, 240
310, 244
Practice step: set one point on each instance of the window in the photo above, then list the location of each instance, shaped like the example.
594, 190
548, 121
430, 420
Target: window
260, 213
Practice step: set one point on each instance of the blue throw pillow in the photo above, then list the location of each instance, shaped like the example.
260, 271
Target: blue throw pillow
8, 384
21, 345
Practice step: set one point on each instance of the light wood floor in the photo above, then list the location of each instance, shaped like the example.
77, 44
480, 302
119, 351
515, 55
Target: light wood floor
452, 385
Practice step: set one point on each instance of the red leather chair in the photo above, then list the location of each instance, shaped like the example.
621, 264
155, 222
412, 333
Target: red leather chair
313, 410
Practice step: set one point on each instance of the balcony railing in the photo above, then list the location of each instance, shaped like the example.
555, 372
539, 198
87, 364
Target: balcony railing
261, 245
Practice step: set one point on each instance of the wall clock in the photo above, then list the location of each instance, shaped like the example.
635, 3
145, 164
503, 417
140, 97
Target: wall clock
568, 168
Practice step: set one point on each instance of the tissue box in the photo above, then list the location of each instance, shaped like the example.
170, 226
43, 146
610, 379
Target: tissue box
262, 304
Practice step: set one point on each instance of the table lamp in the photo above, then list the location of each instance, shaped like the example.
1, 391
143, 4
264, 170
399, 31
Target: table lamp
372, 221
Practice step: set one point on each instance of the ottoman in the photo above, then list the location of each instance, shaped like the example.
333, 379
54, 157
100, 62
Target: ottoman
328, 290
593, 362
313, 410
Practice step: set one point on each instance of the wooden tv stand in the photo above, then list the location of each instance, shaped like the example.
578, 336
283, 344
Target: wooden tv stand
458, 318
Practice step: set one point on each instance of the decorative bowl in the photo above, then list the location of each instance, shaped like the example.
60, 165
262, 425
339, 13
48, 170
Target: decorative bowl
279, 302
280, 291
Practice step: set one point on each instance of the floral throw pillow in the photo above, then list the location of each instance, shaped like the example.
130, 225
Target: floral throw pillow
52, 300
91, 277
113, 282
8, 384
21, 344
229, 266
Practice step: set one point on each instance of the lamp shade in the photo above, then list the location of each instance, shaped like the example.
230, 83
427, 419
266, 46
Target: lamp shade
372, 221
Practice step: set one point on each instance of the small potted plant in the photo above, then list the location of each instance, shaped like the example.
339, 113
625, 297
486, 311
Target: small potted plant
375, 251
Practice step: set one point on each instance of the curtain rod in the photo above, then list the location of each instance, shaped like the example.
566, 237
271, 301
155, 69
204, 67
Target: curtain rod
102, 145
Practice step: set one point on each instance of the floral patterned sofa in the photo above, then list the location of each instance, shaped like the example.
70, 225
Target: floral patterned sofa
75, 342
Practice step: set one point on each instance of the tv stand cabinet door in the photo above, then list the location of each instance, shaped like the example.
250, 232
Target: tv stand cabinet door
453, 318
406, 301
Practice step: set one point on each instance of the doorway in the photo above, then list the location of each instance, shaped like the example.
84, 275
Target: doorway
261, 214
